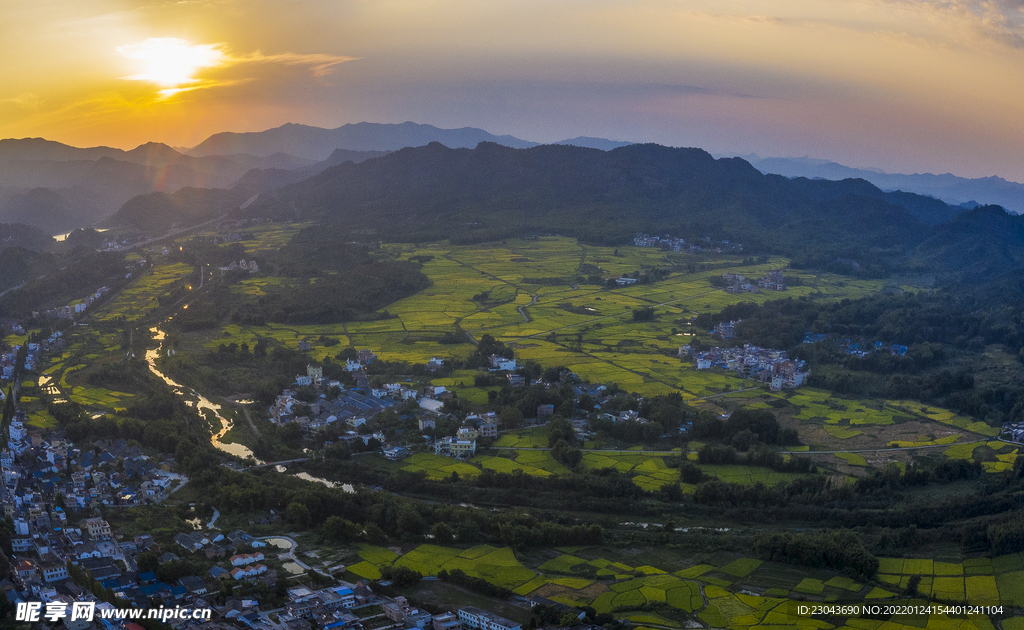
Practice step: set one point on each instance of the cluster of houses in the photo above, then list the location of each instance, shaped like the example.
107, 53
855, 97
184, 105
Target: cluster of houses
7, 359
667, 242
859, 349
241, 265
356, 405
738, 283
40, 577
36, 471
334, 607
72, 310
463, 443
676, 244
764, 364
1015, 431
673, 243
121, 243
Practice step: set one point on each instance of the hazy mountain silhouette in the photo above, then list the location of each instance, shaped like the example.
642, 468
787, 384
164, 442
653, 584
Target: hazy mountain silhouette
318, 143
57, 187
492, 190
947, 187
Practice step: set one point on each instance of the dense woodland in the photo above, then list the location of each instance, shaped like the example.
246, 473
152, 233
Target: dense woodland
944, 335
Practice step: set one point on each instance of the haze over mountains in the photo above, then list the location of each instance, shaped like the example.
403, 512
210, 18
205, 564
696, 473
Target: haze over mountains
56, 188
947, 187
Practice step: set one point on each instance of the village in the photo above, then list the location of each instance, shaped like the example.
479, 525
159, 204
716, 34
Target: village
54, 492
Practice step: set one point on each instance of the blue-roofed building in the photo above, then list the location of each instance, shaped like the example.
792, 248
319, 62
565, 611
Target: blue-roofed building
147, 577
219, 573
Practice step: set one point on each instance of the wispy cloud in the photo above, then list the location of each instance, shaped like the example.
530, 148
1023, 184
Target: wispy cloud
26, 101
177, 65
1000, 21
320, 64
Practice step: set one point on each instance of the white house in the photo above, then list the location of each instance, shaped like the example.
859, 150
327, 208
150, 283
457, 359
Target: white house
502, 364
243, 559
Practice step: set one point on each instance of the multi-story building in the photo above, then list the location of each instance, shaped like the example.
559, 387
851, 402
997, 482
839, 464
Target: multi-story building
479, 619
447, 621
97, 527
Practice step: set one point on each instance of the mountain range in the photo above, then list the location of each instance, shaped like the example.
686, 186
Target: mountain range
493, 192
949, 188
57, 187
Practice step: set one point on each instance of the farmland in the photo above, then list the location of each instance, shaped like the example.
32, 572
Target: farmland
533, 295
480, 289
141, 298
723, 591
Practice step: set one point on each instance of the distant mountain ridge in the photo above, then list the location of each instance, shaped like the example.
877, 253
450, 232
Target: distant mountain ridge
494, 191
317, 143
57, 188
949, 188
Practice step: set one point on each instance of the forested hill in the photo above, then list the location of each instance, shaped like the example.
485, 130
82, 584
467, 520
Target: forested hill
494, 191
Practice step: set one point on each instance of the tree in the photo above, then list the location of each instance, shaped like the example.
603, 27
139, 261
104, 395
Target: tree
297, 514
560, 429
340, 529
510, 417
442, 533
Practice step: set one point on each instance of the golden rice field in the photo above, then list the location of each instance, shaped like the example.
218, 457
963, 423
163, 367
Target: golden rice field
140, 297
720, 595
602, 346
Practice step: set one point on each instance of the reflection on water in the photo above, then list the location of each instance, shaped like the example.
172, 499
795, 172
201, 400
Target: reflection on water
63, 237
280, 543
293, 568
195, 523
347, 487
200, 402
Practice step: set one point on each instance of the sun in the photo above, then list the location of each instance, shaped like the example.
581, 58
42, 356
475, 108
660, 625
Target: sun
170, 62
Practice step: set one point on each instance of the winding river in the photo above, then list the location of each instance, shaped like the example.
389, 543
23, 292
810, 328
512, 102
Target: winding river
200, 402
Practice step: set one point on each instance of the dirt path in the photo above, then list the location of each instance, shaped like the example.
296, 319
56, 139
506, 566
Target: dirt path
245, 411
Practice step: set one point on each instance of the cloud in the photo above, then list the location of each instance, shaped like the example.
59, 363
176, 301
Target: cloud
1000, 21
26, 101
177, 65
320, 63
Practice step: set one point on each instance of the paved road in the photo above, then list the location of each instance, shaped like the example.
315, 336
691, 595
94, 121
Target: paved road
288, 461
213, 520
291, 553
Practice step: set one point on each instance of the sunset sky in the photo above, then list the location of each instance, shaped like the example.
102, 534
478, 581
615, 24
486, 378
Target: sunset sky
903, 85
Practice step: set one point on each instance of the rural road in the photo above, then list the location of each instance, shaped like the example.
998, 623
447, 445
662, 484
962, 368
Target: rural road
291, 553
522, 309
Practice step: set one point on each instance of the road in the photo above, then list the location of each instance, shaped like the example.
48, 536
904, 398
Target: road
522, 309
291, 553
288, 461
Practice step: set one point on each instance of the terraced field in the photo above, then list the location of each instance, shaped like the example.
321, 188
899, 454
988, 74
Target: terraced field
736, 593
140, 297
586, 328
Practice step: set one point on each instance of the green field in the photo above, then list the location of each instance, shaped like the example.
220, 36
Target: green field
140, 297
978, 581
479, 287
